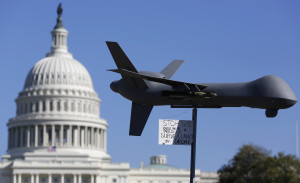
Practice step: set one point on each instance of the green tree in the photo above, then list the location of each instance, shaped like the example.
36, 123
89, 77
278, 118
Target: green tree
254, 164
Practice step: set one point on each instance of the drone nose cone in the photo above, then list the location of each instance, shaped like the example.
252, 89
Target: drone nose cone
114, 86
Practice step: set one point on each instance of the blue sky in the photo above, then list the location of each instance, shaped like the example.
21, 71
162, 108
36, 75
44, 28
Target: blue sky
220, 41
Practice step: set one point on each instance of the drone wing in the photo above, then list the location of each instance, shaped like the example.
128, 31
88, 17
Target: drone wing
179, 85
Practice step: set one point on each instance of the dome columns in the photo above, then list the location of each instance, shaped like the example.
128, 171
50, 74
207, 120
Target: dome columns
57, 176
77, 106
58, 135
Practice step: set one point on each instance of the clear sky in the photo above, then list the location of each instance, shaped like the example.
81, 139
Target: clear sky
220, 41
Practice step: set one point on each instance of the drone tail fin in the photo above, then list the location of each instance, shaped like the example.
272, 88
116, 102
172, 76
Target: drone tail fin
170, 69
123, 62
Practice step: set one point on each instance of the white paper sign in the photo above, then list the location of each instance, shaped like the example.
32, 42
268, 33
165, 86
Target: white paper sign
175, 132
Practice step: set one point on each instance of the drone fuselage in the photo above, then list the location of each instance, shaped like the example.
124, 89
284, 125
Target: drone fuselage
268, 92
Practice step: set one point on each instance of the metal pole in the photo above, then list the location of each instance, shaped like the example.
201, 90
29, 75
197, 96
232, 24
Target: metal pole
193, 146
297, 148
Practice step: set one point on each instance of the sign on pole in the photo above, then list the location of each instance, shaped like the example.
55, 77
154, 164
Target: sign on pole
175, 132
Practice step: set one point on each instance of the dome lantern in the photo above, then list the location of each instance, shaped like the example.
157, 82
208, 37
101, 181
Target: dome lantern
59, 37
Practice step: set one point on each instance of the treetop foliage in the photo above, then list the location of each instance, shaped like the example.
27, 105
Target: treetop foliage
254, 164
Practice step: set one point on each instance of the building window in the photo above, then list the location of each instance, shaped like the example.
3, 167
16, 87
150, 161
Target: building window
26, 180
24, 136
58, 106
68, 180
51, 105
55, 180
44, 106
32, 135
114, 180
41, 135
37, 107
57, 134
49, 135
43, 180
85, 180
65, 135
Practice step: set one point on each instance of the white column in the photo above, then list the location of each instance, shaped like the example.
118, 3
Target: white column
53, 135
86, 137
70, 139
79, 178
75, 136
75, 178
62, 178
15, 178
104, 140
78, 136
82, 137
44, 135
88, 140
36, 135
92, 178
37, 178
19, 178
99, 138
61, 136
105, 179
121, 178
97, 178
32, 178
92, 137
50, 178
28, 136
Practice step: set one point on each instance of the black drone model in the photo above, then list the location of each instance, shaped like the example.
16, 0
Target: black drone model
147, 89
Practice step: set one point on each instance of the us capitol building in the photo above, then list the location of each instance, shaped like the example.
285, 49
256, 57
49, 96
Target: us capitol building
57, 135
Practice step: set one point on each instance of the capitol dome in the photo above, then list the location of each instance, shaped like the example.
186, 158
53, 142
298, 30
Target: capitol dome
58, 70
58, 109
